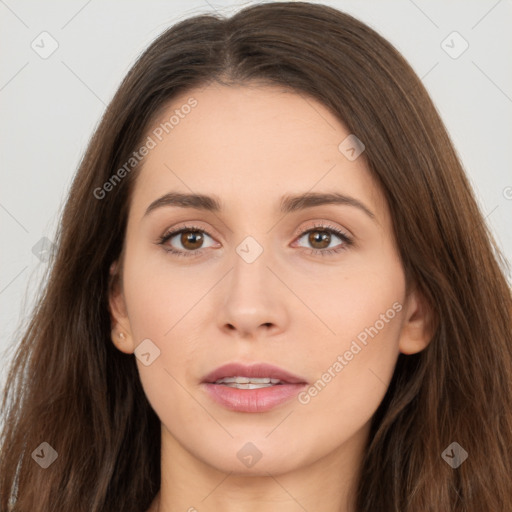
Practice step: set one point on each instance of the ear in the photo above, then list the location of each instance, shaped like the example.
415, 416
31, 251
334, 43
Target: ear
121, 331
417, 328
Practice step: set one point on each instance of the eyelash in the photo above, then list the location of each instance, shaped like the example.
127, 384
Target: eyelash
347, 241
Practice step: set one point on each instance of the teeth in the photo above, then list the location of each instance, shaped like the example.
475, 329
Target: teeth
248, 386
260, 381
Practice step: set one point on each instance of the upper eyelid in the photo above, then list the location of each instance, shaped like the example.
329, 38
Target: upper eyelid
172, 232
326, 225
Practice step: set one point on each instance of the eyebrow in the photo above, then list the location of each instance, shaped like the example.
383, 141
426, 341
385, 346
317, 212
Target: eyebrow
289, 203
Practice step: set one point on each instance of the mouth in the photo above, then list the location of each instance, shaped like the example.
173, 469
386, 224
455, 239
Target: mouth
255, 388
248, 382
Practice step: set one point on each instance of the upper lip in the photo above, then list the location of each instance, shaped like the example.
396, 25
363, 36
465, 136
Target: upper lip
254, 370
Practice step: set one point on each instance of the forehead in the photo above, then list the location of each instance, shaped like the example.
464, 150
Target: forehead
247, 144
242, 121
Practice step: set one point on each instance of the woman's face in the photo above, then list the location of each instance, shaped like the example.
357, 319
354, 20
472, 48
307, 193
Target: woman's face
314, 287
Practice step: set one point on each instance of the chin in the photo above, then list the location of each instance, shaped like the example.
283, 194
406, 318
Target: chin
254, 458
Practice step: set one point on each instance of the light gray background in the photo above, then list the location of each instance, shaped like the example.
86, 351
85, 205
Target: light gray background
50, 107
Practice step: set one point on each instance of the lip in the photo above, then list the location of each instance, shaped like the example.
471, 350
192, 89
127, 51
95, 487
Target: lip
252, 400
253, 370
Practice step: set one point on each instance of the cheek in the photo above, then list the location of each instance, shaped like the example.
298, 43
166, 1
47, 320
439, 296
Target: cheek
363, 309
159, 295
164, 304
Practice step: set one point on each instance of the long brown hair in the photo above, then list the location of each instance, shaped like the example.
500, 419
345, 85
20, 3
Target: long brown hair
70, 387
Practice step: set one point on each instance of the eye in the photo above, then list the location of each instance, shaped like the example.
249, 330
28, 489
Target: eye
320, 238
189, 239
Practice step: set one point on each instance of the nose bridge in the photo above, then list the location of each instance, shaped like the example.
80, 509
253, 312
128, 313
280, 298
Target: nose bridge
250, 272
252, 296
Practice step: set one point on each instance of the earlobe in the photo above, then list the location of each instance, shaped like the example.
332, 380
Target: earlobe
122, 341
121, 332
416, 331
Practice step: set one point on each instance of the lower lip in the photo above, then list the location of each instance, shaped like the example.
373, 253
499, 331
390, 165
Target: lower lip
253, 400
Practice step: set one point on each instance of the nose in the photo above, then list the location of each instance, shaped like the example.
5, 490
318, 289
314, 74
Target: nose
255, 301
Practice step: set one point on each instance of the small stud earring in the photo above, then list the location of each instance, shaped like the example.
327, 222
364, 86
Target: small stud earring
122, 335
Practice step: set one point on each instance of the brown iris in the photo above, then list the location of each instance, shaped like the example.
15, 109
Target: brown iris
324, 238
194, 238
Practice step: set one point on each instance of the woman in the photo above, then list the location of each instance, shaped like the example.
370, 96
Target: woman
273, 289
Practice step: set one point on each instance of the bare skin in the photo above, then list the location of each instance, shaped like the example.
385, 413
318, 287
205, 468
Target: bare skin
291, 307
